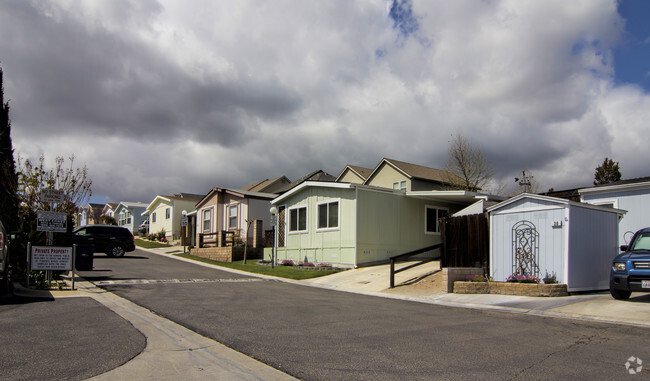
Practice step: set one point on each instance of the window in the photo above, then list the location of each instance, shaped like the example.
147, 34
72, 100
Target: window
122, 218
432, 218
168, 213
207, 220
401, 185
153, 217
298, 219
232, 217
328, 215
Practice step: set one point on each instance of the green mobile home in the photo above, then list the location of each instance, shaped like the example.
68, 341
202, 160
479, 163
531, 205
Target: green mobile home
358, 225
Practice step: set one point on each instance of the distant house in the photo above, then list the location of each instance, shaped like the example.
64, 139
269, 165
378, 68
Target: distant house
318, 175
129, 215
268, 186
400, 175
165, 213
230, 210
109, 209
632, 195
353, 174
91, 214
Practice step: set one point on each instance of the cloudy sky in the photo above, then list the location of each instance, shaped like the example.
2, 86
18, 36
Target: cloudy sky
161, 97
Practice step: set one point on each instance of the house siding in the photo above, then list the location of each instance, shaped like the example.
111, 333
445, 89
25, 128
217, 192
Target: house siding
386, 175
350, 177
635, 202
332, 246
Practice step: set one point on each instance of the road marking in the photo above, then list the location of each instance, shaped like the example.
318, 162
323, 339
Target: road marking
129, 282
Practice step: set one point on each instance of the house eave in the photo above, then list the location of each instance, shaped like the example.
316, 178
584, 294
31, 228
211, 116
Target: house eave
306, 184
610, 188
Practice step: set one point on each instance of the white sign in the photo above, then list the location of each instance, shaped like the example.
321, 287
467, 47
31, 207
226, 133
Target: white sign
183, 220
51, 222
51, 195
51, 258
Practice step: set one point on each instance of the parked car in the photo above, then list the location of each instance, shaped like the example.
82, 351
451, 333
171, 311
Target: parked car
144, 227
109, 239
631, 268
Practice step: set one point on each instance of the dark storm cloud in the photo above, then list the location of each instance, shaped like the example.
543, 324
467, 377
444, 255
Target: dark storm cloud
104, 83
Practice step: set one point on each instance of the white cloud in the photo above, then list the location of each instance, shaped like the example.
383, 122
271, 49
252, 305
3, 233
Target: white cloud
183, 96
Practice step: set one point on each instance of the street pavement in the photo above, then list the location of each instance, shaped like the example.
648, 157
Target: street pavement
174, 352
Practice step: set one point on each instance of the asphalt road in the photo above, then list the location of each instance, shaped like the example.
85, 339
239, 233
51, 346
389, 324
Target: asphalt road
314, 333
62, 339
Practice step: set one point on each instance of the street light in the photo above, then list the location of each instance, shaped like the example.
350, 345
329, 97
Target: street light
274, 217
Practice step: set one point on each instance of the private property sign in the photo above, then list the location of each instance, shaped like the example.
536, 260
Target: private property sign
51, 258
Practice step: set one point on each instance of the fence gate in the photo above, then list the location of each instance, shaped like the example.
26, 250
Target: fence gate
465, 241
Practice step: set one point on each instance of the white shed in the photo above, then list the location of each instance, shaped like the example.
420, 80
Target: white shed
541, 234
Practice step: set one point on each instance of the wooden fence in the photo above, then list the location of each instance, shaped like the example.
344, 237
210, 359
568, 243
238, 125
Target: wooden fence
466, 241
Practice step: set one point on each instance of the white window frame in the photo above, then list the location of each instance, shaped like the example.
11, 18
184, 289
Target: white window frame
204, 220
400, 185
168, 213
153, 217
228, 217
289, 231
437, 227
338, 217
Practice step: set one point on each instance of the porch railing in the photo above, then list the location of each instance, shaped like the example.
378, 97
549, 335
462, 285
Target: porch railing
404, 256
227, 238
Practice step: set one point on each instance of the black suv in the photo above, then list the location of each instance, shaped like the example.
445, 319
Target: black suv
109, 239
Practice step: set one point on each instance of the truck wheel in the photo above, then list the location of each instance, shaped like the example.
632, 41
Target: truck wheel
620, 294
115, 251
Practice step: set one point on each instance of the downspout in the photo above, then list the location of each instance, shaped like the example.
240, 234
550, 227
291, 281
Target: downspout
356, 223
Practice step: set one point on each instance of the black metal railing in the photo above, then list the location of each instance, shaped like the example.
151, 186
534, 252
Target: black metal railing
410, 254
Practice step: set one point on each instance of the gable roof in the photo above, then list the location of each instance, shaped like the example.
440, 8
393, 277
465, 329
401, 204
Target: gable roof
414, 171
318, 175
236, 192
267, 186
362, 172
554, 200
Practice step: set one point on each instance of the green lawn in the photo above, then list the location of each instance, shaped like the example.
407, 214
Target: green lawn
252, 267
149, 244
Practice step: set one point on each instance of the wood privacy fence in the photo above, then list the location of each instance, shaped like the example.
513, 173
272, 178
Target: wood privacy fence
466, 241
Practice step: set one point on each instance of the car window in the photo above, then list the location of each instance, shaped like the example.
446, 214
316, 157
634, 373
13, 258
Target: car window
81, 232
642, 242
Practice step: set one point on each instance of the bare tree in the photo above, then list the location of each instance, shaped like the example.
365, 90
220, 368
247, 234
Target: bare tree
466, 162
34, 177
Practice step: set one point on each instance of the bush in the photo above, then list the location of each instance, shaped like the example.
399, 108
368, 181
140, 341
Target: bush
287, 262
523, 278
550, 279
162, 234
306, 264
476, 278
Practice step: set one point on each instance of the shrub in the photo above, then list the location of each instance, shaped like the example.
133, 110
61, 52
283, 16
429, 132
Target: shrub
162, 234
550, 279
523, 278
476, 278
306, 264
287, 262
324, 265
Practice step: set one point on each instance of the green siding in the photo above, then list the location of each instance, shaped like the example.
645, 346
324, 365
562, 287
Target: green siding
321, 246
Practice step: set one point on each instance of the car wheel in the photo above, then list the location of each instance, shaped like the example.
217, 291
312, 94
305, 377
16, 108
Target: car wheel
115, 251
619, 294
